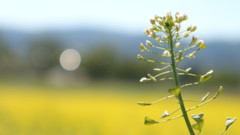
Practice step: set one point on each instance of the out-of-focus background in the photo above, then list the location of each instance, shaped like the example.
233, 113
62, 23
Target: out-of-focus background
69, 67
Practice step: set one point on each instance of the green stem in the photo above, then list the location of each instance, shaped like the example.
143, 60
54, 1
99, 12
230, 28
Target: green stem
180, 99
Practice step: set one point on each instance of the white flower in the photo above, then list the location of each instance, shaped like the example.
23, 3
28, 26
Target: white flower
177, 45
166, 53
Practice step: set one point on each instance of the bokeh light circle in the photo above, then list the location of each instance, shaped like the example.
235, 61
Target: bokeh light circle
70, 59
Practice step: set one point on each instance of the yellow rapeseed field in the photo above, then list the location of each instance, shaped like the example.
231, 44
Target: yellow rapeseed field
44, 110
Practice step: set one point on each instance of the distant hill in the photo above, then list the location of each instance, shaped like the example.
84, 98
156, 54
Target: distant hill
218, 54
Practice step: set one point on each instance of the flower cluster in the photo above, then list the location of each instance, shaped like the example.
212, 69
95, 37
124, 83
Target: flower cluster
167, 33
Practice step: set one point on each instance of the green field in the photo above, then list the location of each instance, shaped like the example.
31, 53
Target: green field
101, 109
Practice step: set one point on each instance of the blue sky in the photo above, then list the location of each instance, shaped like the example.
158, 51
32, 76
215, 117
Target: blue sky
212, 16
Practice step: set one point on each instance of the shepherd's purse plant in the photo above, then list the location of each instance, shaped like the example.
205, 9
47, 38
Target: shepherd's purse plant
166, 31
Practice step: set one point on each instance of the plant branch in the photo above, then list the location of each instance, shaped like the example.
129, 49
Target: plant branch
181, 102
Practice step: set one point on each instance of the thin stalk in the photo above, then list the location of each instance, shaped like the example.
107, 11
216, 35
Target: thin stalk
223, 132
180, 99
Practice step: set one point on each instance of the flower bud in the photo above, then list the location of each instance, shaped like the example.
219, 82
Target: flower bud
177, 27
149, 43
194, 40
169, 16
199, 42
165, 37
180, 19
186, 34
203, 45
189, 28
152, 21
142, 47
185, 17
147, 32
177, 14
161, 22
191, 55
153, 28
158, 40
140, 57
193, 28
153, 35
156, 17
177, 45
166, 53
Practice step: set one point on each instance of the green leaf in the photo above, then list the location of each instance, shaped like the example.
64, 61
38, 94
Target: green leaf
175, 91
199, 121
165, 114
206, 76
198, 126
219, 92
149, 121
205, 97
229, 122
144, 104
